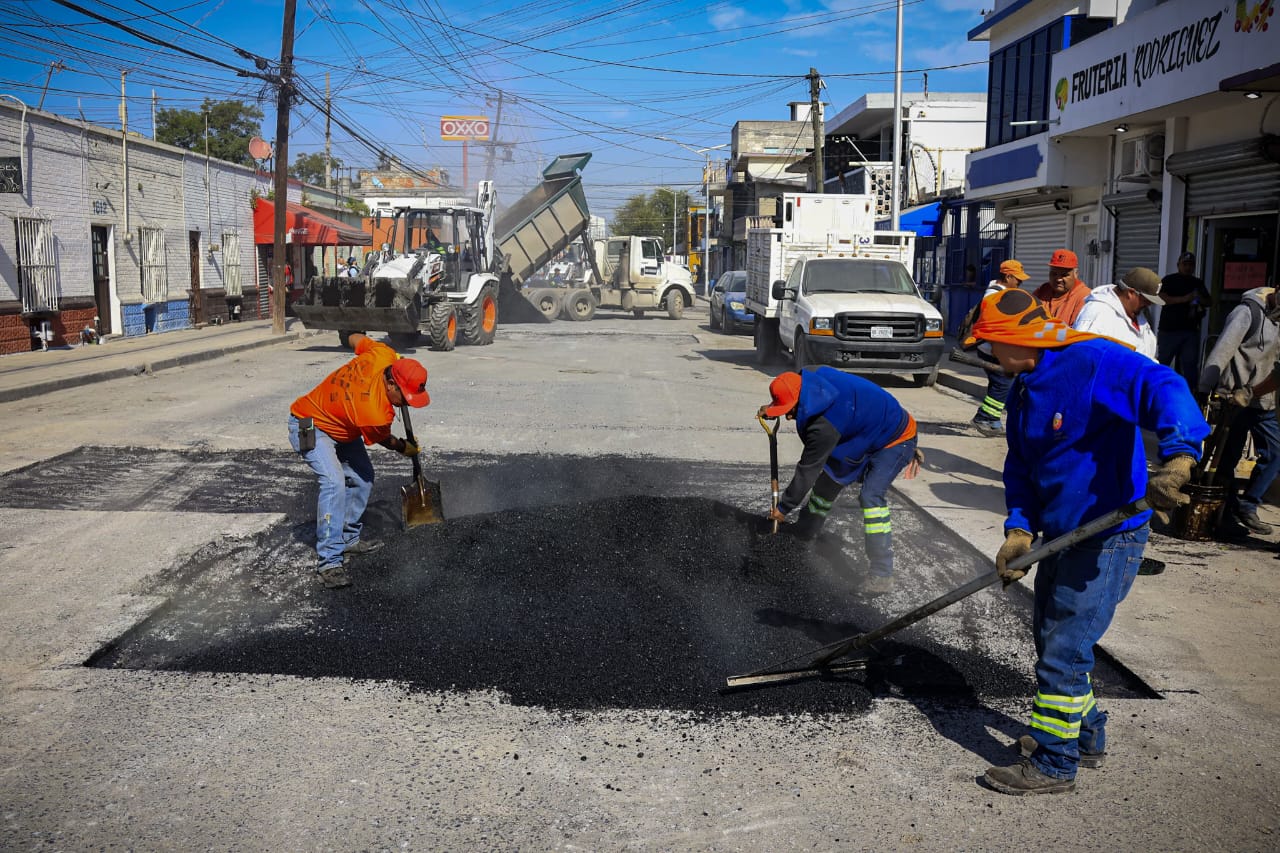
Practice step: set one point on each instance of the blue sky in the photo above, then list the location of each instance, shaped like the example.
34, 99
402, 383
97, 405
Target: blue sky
605, 76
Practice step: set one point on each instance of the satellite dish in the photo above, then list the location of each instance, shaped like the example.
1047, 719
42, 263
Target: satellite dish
259, 148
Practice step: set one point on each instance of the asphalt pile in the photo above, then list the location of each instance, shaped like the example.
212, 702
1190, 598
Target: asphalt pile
632, 602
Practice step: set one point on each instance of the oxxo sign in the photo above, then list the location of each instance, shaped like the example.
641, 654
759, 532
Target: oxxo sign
1173, 52
464, 128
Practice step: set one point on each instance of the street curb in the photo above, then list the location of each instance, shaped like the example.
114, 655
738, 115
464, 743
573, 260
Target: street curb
961, 383
102, 375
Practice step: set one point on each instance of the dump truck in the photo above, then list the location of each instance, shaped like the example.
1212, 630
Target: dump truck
824, 285
450, 263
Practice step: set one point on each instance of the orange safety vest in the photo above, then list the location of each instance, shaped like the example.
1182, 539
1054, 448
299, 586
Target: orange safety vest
352, 402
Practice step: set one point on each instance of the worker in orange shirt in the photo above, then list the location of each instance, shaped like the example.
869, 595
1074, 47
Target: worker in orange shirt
330, 426
1063, 295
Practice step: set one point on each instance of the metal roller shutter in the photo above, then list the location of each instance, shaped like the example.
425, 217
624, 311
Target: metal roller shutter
1035, 237
1233, 178
1137, 238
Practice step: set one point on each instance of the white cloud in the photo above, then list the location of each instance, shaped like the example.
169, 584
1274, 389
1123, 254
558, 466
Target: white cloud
974, 6
796, 52
955, 53
726, 16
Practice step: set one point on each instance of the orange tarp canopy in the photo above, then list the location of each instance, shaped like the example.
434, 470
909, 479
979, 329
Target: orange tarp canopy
305, 227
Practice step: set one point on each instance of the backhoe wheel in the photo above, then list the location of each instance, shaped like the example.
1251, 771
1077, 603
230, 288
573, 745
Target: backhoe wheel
579, 305
444, 326
480, 321
404, 340
674, 303
547, 301
344, 334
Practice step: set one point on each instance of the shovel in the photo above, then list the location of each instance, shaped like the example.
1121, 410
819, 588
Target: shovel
773, 461
420, 499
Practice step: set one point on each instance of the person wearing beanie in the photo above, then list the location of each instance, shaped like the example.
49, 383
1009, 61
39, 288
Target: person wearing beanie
1118, 311
329, 427
1077, 410
1063, 295
853, 431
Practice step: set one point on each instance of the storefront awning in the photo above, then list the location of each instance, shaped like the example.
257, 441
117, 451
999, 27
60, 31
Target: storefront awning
305, 227
923, 220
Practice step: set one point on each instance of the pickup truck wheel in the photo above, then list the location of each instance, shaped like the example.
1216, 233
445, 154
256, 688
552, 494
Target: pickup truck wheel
480, 321
799, 358
674, 303
765, 333
344, 334
444, 326
716, 320
927, 379
579, 305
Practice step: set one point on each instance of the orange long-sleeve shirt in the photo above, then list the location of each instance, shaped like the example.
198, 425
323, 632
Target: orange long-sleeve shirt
352, 401
1066, 307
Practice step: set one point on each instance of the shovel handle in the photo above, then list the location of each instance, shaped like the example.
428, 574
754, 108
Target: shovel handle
773, 461
408, 431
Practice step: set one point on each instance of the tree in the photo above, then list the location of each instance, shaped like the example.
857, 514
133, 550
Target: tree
650, 216
231, 125
310, 168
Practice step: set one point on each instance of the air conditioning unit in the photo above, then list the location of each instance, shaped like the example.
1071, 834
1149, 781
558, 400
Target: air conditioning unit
1142, 158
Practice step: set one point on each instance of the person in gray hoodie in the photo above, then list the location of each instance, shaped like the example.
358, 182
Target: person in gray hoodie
1243, 357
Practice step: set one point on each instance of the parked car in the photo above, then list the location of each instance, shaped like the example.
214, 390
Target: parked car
728, 313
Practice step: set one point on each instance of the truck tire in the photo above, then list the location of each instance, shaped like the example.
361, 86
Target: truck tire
929, 378
443, 320
673, 301
480, 321
547, 301
343, 334
579, 306
765, 333
404, 340
799, 356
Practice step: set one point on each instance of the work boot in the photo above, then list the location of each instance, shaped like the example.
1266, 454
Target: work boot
988, 428
1249, 518
335, 577
361, 546
1026, 745
1023, 778
876, 585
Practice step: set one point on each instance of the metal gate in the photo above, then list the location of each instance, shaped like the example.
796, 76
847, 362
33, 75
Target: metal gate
37, 273
1137, 235
1233, 178
1035, 237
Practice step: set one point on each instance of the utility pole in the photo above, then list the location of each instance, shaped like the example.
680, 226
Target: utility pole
328, 157
493, 140
283, 98
815, 113
124, 154
895, 205
56, 65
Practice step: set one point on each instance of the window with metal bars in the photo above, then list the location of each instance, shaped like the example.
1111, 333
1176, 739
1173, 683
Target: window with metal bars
37, 269
231, 279
155, 272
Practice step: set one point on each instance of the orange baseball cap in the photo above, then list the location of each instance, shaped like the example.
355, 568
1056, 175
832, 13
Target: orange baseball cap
1014, 268
1016, 317
1064, 258
785, 391
411, 377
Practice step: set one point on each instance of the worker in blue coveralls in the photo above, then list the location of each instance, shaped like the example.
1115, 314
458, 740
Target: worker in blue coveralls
852, 431
1075, 454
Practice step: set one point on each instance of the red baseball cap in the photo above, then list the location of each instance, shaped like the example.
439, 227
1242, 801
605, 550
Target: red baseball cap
411, 377
1064, 258
785, 391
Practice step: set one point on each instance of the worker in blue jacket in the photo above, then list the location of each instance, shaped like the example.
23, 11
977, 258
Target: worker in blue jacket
1075, 453
852, 431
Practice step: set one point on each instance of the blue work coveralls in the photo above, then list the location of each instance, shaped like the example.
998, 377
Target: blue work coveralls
1076, 453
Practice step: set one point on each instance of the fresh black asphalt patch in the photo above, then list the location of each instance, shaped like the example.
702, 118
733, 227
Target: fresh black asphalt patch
564, 582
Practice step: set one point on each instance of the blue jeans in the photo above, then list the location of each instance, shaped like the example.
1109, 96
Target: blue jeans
346, 479
1266, 439
876, 471
1183, 347
1076, 594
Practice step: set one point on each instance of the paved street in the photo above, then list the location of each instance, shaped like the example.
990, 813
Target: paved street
543, 672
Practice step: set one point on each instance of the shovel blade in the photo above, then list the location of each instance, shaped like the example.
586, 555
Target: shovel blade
421, 502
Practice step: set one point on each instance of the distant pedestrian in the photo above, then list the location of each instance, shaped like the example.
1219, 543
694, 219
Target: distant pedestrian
1243, 356
1185, 300
1119, 311
351, 270
1063, 295
1076, 415
853, 431
330, 426
988, 419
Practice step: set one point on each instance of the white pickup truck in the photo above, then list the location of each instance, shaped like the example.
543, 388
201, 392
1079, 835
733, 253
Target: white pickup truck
830, 289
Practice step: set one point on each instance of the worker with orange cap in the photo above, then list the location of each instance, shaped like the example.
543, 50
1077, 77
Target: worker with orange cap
329, 428
1063, 295
853, 430
1076, 411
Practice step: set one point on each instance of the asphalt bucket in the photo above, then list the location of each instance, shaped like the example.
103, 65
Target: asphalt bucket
1198, 520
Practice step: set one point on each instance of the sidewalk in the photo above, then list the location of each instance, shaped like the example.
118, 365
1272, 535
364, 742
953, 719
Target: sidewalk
29, 374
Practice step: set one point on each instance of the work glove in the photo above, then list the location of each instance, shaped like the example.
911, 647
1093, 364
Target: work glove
1242, 397
409, 448
913, 467
1164, 487
1016, 543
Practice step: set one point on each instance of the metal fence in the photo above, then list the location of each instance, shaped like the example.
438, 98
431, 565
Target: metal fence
37, 270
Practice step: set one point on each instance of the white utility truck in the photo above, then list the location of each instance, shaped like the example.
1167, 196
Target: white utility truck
828, 288
638, 277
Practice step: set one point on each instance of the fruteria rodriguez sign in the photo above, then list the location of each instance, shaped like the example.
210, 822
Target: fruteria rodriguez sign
1172, 52
464, 128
